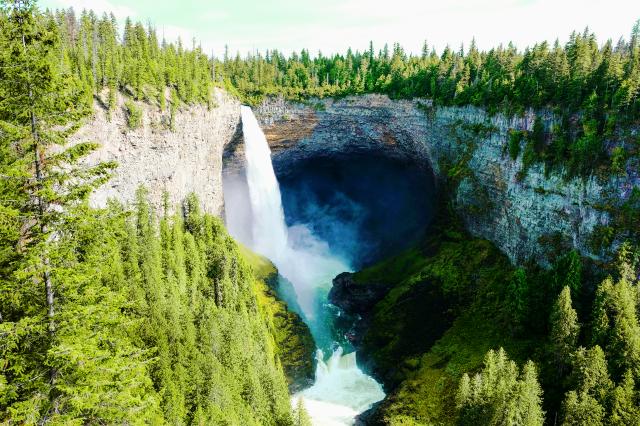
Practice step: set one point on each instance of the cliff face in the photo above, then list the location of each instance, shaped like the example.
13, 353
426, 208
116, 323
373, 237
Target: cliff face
187, 159
522, 217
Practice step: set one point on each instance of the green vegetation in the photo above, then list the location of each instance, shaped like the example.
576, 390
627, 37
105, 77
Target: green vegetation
134, 115
541, 76
132, 60
300, 415
626, 217
499, 395
564, 329
515, 138
99, 60
455, 300
594, 90
592, 381
122, 316
449, 305
294, 344
160, 322
112, 316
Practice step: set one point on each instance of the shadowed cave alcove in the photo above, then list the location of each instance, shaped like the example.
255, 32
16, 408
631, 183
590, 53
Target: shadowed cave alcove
365, 206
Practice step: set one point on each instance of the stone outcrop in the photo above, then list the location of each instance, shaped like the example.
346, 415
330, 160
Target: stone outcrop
521, 216
180, 161
344, 127
356, 298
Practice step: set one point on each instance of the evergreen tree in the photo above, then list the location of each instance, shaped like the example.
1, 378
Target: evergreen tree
615, 326
499, 395
582, 409
526, 407
568, 273
300, 415
107, 317
624, 403
39, 107
590, 374
517, 300
564, 329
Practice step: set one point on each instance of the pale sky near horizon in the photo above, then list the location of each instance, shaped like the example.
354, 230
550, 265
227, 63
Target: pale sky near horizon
334, 25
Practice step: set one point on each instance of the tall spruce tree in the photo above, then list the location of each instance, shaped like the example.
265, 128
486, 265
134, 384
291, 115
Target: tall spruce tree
499, 394
624, 403
590, 373
564, 330
517, 300
39, 108
582, 409
615, 326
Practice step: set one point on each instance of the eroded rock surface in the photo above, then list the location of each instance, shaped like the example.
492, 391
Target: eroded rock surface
521, 216
180, 161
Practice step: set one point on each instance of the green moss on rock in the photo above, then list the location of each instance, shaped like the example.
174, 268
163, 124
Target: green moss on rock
430, 286
441, 316
294, 344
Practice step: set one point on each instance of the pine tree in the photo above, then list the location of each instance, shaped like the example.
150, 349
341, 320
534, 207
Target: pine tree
601, 321
526, 407
517, 300
499, 394
624, 405
626, 262
568, 273
40, 106
590, 373
564, 329
615, 326
300, 415
581, 409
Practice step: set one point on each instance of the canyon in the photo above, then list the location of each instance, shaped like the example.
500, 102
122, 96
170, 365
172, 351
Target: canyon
460, 155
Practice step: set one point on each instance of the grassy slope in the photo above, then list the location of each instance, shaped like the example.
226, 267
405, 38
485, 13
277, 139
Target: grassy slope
439, 320
294, 343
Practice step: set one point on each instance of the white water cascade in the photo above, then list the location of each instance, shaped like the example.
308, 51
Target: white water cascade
341, 390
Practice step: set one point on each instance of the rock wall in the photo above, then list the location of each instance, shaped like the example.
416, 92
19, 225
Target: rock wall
187, 159
521, 217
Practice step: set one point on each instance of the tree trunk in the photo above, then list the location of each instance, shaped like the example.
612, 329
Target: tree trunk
43, 226
46, 276
48, 285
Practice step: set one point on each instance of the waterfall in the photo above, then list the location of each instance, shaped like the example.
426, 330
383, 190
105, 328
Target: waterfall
341, 389
300, 257
269, 228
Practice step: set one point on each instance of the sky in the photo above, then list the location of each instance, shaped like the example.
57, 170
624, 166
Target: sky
334, 25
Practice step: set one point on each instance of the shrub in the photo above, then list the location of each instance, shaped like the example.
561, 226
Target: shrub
618, 160
134, 115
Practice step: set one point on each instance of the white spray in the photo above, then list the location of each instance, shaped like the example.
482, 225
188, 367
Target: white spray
341, 389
